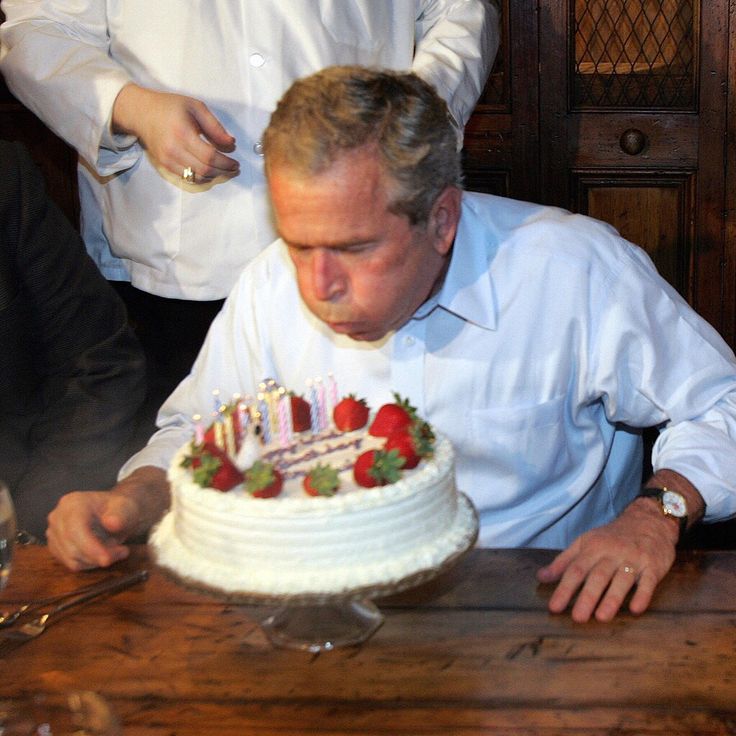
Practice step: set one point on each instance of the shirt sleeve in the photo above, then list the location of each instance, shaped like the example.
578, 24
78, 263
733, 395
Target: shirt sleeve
54, 58
456, 45
660, 364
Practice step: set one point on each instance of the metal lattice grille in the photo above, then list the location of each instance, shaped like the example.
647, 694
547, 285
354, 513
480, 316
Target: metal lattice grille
634, 53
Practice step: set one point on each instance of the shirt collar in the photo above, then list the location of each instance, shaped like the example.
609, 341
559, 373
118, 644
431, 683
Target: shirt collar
468, 290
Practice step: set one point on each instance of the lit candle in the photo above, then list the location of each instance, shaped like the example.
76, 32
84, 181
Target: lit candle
313, 408
321, 404
251, 410
283, 400
265, 419
243, 418
229, 432
273, 408
287, 411
198, 429
235, 416
219, 434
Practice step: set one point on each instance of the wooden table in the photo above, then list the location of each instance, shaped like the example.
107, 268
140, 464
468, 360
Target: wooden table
473, 652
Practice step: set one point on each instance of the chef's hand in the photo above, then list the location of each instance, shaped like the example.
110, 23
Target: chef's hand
633, 552
89, 529
178, 132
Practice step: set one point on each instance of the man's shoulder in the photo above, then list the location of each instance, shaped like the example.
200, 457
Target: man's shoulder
515, 228
510, 216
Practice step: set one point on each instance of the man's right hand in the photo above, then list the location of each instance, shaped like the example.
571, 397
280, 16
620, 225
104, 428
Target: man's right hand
89, 528
178, 132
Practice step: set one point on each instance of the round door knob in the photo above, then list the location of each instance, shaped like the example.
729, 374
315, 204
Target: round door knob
632, 141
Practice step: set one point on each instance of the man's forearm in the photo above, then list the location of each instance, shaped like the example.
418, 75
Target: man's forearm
148, 487
673, 481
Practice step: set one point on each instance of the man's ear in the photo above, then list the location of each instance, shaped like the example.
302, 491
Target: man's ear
443, 219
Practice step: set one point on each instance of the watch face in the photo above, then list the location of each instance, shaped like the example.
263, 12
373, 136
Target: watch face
673, 503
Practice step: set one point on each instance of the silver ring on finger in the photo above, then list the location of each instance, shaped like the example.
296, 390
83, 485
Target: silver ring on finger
628, 569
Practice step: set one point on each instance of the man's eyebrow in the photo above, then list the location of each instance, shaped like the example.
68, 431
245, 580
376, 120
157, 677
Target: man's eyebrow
344, 245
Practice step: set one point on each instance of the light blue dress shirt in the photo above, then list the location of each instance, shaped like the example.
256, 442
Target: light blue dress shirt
549, 341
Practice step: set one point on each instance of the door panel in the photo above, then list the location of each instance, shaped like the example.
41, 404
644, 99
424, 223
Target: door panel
633, 121
648, 211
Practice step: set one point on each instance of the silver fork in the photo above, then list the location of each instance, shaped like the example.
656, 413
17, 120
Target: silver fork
9, 618
11, 638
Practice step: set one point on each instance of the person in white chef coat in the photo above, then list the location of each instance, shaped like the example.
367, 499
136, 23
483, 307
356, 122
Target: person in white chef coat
166, 102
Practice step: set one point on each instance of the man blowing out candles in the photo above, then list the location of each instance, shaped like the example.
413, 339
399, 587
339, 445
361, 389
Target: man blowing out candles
540, 342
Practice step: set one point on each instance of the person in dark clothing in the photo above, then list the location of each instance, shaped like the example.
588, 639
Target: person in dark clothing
72, 373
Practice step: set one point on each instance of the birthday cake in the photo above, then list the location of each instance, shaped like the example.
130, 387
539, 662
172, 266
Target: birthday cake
267, 504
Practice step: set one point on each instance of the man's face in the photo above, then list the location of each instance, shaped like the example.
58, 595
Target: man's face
360, 268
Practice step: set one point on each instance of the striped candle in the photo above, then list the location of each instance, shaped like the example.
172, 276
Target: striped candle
284, 419
229, 432
243, 418
219, 434
313, 406
198, 429
265, 418
217, 404
273, 409
321, 404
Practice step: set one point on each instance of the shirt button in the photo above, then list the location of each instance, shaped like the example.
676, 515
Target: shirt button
258, 148
257, 60
409, 341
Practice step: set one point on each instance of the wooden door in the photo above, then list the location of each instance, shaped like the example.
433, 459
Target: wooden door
501, 154
633, 122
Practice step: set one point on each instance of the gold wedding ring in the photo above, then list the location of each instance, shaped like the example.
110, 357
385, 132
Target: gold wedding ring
628, 569
188, 175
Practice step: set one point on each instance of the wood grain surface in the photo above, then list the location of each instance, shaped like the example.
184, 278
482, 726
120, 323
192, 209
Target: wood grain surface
473, 652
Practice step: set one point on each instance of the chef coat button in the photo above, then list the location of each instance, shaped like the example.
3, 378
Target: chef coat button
257, 60
409, 341
258, 148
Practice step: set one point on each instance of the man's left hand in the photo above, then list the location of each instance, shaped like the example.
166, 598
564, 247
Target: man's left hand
635, 551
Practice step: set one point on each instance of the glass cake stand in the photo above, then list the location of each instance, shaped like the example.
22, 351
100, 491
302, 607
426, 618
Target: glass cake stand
321, 627
319, 622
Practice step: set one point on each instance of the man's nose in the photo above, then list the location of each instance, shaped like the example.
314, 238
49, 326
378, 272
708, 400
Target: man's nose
328, 278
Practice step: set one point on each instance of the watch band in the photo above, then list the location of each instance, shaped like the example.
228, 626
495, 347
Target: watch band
658, 494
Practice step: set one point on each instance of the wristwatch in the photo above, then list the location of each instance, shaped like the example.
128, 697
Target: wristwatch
673, 504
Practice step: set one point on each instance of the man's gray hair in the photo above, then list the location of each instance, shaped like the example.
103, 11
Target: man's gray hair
344, 108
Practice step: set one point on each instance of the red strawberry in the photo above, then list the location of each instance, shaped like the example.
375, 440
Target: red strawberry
321, 480
402, 442
209, 435
301, 417
412, 444
391, 418
377, 468
350, 414
212, 468
262, 480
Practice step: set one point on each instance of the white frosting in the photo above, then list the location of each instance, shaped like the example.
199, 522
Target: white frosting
299, 544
